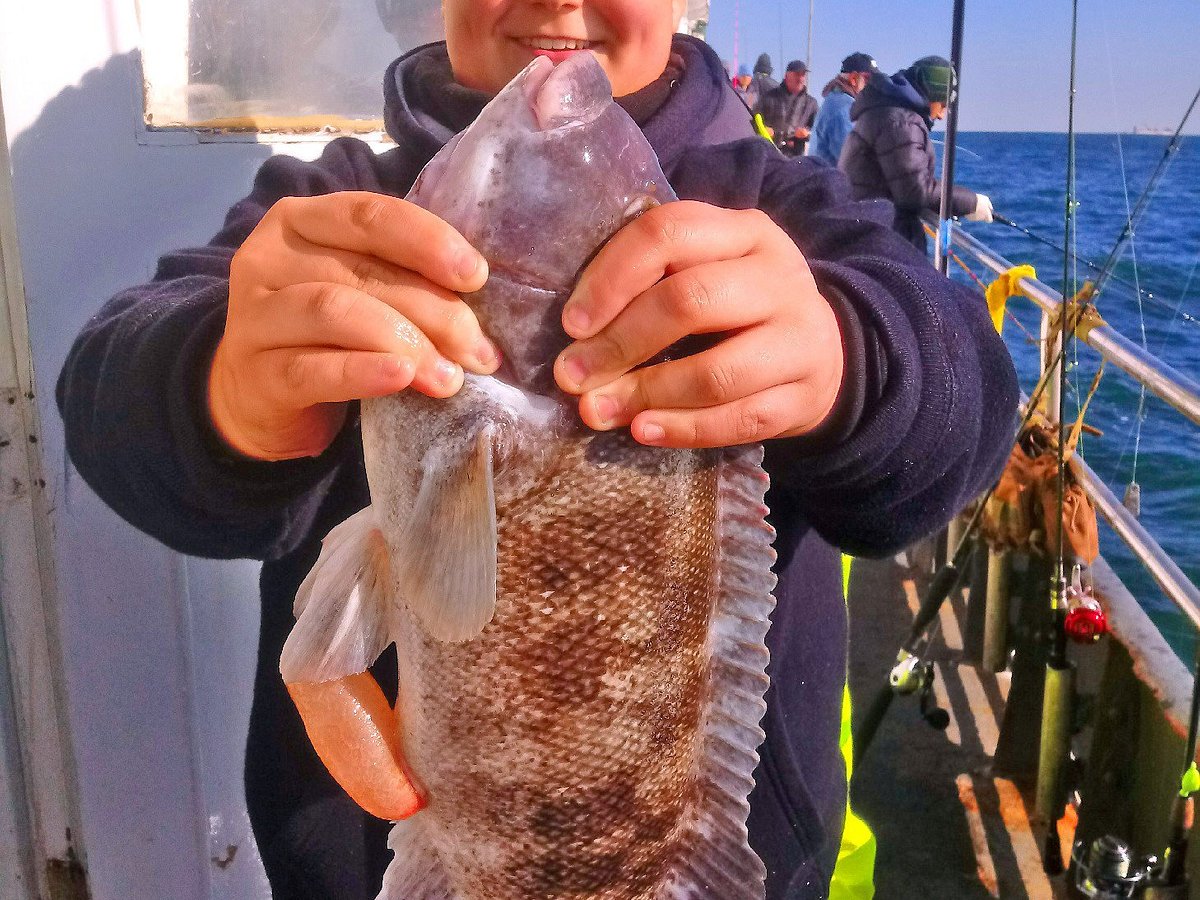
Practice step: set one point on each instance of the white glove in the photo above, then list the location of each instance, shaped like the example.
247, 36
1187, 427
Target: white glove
983, 209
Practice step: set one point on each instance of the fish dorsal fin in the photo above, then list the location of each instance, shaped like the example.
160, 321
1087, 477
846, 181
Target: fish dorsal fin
341, 607
716, 860
446, 572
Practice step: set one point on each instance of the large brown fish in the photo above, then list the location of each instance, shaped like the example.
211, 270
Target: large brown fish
579, 619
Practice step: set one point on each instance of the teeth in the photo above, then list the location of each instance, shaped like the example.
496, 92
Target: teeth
541, 43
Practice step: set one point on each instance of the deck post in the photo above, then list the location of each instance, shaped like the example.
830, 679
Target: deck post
995, 624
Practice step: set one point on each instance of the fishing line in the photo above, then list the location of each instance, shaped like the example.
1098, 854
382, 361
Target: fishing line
1137, 283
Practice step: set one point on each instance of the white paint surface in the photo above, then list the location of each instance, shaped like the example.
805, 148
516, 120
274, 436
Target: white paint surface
159, 649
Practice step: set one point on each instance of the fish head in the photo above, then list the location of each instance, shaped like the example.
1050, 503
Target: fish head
549, 171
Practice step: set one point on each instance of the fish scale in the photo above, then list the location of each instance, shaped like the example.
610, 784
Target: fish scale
579, 620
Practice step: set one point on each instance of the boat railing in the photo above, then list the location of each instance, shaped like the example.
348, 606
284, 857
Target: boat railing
1177, 389
1133, 738
1173, 386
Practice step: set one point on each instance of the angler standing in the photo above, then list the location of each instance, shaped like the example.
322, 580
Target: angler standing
889, 153
832, 125
788, 110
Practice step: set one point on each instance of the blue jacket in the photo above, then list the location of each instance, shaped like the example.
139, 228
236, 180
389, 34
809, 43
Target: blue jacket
923, 423
831, 127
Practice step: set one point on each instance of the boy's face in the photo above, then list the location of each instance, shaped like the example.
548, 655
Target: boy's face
490, 41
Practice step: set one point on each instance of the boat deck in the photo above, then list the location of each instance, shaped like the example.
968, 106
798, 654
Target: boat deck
947, 829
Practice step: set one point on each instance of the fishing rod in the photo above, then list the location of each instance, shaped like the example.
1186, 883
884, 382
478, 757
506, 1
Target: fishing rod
1094, 266
1127, 231
912, 673
941, 245
1058, 688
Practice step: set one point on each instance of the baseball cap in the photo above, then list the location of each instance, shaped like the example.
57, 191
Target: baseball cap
860, 62
797, 65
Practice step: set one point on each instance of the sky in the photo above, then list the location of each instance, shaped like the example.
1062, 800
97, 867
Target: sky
1138, 60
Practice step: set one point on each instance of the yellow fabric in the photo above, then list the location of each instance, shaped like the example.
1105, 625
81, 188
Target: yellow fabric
761, 127
1006, 285
854, 872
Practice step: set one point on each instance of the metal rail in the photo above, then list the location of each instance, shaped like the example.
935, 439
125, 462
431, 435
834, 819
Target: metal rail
1175, 584
1168, 383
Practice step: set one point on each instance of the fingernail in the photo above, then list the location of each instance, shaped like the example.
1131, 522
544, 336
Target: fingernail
468, 264
487, 354
652, 433
446, 372
606, 408
576, 320
575, 368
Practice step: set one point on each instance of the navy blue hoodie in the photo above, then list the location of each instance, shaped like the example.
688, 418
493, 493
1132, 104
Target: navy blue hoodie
921, 425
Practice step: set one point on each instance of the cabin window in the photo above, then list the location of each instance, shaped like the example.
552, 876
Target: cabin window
283, 68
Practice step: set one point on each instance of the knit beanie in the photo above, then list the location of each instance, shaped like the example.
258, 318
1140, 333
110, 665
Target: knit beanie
934, 78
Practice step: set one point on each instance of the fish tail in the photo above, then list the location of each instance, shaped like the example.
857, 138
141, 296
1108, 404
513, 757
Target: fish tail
717, 862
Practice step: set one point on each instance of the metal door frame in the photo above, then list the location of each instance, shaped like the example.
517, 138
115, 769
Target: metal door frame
40, 830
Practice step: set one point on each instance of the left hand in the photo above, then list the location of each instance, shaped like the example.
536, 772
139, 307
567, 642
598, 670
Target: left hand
689, 268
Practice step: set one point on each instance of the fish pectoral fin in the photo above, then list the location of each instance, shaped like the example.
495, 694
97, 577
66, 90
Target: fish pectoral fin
342, 606
357, 735
447, 575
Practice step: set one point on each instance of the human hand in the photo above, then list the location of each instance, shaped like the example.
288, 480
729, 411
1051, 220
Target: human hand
336, 298
983, 209
689, 268
802, 133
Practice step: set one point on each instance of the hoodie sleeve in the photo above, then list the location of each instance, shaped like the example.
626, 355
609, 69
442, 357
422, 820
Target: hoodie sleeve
903, 151
132, 392
927, 411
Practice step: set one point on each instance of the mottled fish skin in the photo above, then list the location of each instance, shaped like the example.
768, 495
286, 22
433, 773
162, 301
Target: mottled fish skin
562, 748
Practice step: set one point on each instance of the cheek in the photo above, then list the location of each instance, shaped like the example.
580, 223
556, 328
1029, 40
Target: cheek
473, 42
642, 30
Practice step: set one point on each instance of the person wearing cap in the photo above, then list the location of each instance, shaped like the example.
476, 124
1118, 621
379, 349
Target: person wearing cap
743, 84
788, 111
889, 153
832, 123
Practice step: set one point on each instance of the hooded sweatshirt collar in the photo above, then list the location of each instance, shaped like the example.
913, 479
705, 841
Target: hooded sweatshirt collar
890, 90
692, 103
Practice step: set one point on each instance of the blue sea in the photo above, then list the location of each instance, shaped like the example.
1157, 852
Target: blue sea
1025, 175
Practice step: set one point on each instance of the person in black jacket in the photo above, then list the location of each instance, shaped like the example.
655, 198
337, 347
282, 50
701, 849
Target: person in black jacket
789, 110
210, 408
889, 153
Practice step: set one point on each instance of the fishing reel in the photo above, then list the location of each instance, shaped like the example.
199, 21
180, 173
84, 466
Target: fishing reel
1106, 870
914, 675
1086, 621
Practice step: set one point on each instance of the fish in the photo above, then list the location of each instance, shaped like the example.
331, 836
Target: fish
579, 620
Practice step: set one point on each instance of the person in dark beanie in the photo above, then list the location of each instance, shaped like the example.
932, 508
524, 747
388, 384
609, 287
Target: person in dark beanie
763, 72
832, 125
889, 153
789, 110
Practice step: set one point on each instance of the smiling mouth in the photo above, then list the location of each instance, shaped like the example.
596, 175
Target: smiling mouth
556, 43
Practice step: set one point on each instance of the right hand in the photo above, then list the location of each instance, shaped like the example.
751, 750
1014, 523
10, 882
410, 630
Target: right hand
983, 209
335, 298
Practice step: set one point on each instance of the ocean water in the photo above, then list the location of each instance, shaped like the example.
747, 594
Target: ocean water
1025, 175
